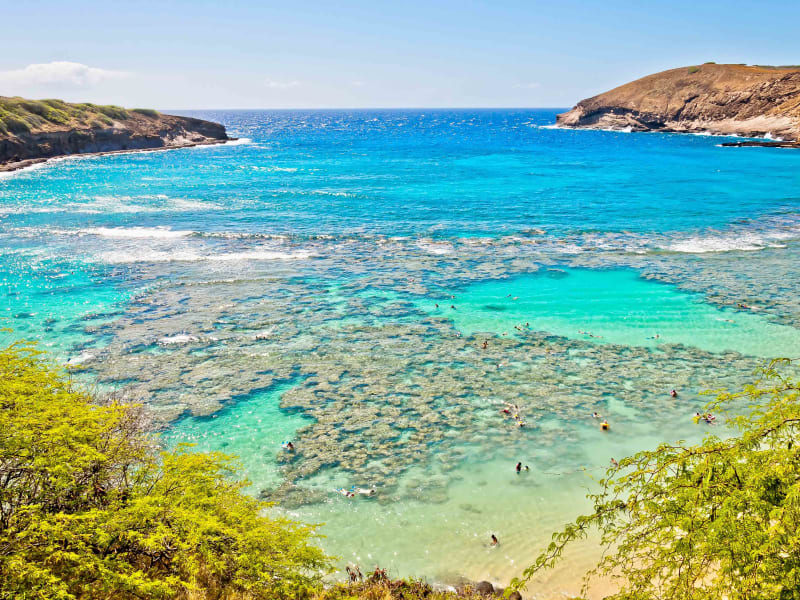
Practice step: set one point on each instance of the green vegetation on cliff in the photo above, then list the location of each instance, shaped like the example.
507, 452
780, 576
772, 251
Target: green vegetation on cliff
720, 519
89, 507
20, 115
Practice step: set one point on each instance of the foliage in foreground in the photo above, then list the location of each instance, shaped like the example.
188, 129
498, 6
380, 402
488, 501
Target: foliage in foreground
715, 520
89, 508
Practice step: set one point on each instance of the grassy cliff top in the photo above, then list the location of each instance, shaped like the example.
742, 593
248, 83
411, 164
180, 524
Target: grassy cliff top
20, 115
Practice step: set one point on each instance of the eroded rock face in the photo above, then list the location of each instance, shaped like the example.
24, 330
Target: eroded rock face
137, 133
718, 99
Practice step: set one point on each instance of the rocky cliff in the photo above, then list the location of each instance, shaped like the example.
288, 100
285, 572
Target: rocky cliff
31, 130
743, 100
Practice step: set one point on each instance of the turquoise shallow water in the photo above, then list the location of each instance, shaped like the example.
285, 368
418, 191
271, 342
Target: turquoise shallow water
285, 285
614, 307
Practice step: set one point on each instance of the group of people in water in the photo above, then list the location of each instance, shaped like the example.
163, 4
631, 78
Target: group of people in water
512, 410
354, 491
590, 334
708, 418
604, 426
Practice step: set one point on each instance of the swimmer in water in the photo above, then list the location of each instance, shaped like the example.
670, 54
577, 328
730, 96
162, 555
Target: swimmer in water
595, 415
494, 540
485, 344
674, 394
290, 447
518, 467
436, 305
527, 468
605, 426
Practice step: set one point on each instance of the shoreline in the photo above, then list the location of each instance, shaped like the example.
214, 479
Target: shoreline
763, 142
31, 162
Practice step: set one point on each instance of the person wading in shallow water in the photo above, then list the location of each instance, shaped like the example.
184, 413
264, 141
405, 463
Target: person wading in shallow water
494, 540
519, 467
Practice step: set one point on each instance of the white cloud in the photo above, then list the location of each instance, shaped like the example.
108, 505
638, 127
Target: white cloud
59, 73
281, 85
527, 86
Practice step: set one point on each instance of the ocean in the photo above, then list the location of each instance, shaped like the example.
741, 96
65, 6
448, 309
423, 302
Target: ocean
378, 285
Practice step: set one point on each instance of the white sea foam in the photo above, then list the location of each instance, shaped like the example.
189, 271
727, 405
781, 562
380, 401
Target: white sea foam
81, 359
175, 340
237, 142
129, 233
160, 256
117, 205
732, 242
438, 248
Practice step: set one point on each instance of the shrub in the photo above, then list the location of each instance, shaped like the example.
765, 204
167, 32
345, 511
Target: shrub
90, 509
114, 112
693, 69
15, 124
147, 112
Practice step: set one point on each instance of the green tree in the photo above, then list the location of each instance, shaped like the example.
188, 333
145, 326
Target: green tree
91, 508
720, 519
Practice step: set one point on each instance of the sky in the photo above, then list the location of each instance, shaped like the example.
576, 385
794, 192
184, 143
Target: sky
198, 54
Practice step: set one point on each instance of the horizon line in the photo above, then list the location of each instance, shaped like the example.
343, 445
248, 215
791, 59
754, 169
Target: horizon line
392, 108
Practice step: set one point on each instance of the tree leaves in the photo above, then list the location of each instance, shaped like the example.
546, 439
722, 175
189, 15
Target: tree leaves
715, 520
89, 508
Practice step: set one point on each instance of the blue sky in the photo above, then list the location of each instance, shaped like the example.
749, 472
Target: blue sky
369, 53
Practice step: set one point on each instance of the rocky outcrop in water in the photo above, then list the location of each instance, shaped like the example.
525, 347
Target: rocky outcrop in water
32, 131
743, 100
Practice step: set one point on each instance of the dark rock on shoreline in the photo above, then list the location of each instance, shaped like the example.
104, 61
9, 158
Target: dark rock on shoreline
486, 589
751, 101
32, 131
758, 144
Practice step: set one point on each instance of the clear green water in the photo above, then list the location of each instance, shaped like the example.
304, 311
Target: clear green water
252, 428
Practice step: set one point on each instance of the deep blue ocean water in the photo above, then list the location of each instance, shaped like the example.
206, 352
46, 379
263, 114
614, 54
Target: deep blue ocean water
332, 275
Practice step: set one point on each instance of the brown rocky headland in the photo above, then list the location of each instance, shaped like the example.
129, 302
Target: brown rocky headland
33, 131
750, 101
